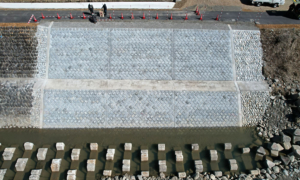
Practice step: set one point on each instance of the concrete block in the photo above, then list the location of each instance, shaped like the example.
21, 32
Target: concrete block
161, 147
94, 146
72, 172
109, 156
259, 157
111, 151
261, 150
182, 175
287, 145
198, 162
232, 161
227, 146
199, 168
28, 146
21, 164
126, 168
33, 177
36, 172
128, 146
246, 150
107, 173
71, 177
60, 146
162, 162
179, 158
213, 157
213, 152
144, 151
55, 165
233, 167
195, 147
75, 154
178, 153
162, 168
144, 157
218, 173
3, 171
91, 165
8, 153
126, 161
41, 155
145, 173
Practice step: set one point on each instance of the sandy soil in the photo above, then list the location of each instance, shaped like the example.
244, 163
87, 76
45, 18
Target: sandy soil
244, 4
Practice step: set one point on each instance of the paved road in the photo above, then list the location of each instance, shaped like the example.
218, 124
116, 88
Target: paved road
269, 17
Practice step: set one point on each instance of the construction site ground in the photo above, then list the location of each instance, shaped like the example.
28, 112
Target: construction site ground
244, 5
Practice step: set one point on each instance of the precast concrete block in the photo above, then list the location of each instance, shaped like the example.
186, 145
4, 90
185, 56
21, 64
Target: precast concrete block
28, 146
109, 156
213, 155
33, 177
75, 154
227, 146
126, 161
182, 175
162, 168
246, 150
55, 165
233, 167
107, 173
218, 173
144, 157
111, 151
232, 161
199, 168
94, 146
161, 147
36, 172
72, 172
91, 165
178, 153
162, 162
198, 162
41, 155
8, 153
60, 146
179, 158
71, 177
145, 173
128, 146
195, 147
21, 164
126, 167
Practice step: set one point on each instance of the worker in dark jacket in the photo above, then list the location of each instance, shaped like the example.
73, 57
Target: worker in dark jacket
91, 8
105, 9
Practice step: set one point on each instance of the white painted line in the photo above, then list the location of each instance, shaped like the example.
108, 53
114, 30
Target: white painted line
97, 5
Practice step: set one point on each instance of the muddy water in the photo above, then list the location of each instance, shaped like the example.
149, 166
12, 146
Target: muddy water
182, 138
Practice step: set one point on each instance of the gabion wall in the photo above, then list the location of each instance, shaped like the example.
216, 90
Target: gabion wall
18, 54
254, 105
144, 109
18, 104
156, 54
248, 55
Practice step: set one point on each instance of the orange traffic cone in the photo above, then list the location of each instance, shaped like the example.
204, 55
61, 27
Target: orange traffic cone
156, 16
201, 18
186, 17
43, 17
171, 18
35, 20
198, 13
122, 16
144, 16
83, 16
110, 16
132, 17
217, 19
197, 10
71, 17
58, 17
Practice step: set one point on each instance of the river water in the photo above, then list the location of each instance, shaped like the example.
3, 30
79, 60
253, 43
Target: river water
212, 138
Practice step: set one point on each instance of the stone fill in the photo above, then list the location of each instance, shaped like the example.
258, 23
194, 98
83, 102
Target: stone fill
248, 55
18, 54
152, 54
110, 109
18, 104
